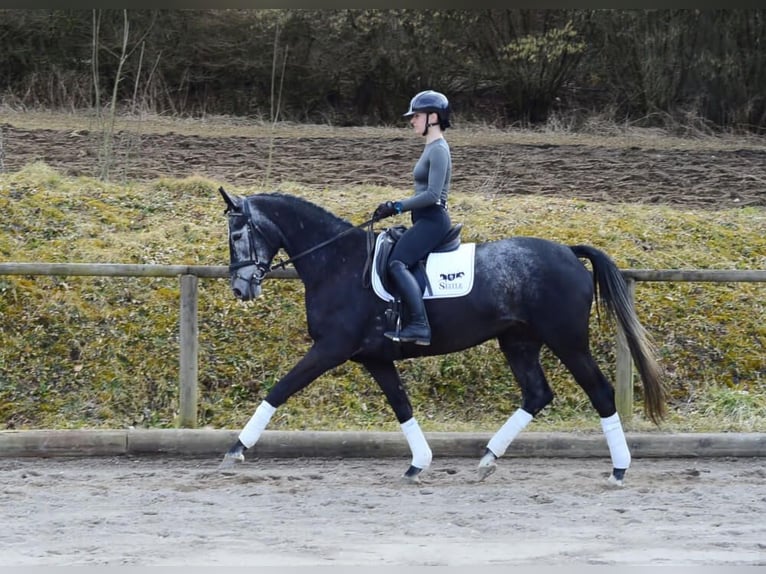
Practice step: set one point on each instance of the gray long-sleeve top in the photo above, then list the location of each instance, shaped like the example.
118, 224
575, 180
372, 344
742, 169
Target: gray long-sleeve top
432, 175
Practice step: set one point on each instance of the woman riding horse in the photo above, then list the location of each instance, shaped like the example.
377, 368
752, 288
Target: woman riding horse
429, 117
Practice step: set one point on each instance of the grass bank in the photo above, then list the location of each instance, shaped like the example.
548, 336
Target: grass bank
103, 352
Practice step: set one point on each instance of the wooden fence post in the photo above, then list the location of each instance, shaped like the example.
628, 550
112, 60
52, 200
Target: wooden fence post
189, 350
624, 367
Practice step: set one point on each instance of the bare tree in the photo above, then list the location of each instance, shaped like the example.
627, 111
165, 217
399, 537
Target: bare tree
106, 153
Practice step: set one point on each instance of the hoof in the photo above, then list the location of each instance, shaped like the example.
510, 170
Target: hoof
412, 475
231, 458
617, 477
487, 465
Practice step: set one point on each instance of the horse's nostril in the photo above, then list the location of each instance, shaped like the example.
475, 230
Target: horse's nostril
237, 293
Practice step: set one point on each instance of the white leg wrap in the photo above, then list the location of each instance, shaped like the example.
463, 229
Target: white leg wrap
499, 443
253, 429
421, 452
615, 439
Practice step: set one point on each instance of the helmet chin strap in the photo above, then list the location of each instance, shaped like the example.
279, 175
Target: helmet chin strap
425, 131
428, 125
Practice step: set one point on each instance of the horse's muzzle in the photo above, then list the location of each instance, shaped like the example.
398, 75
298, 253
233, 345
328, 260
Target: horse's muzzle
245, 289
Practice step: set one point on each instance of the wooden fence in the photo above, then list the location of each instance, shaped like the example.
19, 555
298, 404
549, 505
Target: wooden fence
189, 276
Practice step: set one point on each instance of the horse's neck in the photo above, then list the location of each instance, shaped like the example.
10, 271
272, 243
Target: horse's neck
305, 227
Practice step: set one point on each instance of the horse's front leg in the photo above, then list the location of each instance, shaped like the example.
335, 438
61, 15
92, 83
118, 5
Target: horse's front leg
313, 364
387, 377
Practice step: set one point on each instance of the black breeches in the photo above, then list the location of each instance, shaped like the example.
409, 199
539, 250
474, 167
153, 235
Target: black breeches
429, 226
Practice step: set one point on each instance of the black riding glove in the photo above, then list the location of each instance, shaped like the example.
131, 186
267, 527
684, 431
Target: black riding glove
386, 209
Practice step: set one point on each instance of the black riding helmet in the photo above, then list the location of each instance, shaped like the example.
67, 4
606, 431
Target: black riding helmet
431, 101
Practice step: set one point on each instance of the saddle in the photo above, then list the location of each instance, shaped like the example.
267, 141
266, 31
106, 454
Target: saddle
450, 242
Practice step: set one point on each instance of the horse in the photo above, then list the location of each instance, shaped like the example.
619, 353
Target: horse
528, 292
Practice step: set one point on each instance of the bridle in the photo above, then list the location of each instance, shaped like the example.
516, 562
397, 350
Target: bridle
262, 268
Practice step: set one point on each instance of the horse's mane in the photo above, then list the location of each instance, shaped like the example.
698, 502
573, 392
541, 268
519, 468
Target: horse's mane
304, 204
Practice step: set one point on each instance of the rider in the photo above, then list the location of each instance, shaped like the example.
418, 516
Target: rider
429, 116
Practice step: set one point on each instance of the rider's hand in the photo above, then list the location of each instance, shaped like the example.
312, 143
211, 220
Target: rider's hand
386, 209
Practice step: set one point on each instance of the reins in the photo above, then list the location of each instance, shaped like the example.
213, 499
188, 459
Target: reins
294, 258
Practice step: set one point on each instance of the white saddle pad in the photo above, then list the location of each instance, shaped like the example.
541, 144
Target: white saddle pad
449, 274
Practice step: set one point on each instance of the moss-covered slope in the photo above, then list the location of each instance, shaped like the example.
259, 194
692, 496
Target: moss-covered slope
103, 352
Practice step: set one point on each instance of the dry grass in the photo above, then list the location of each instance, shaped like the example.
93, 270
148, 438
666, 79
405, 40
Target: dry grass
100, 352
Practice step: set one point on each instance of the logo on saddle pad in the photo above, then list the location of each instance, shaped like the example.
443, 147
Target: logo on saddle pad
448, 274
452, 276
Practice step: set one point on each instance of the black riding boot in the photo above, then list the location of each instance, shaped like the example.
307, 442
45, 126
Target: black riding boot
417, 329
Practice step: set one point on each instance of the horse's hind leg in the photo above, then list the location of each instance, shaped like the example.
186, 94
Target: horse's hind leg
524, 360
601, 394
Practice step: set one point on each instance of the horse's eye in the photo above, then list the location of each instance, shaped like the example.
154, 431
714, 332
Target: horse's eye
236, 236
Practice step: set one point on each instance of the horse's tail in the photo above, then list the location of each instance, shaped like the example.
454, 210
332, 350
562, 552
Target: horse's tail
611, 292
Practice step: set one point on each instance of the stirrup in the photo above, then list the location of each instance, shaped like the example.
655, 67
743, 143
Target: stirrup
396, 336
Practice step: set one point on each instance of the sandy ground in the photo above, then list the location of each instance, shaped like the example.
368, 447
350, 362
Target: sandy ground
307, 512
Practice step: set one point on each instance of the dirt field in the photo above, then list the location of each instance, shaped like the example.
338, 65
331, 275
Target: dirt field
300, 512
710, 174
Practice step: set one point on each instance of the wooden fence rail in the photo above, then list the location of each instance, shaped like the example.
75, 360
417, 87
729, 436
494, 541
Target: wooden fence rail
189, 276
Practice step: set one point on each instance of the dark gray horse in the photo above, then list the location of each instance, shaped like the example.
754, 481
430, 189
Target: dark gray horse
527, 292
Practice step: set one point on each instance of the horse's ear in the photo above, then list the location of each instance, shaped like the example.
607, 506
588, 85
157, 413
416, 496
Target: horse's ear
232, 201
